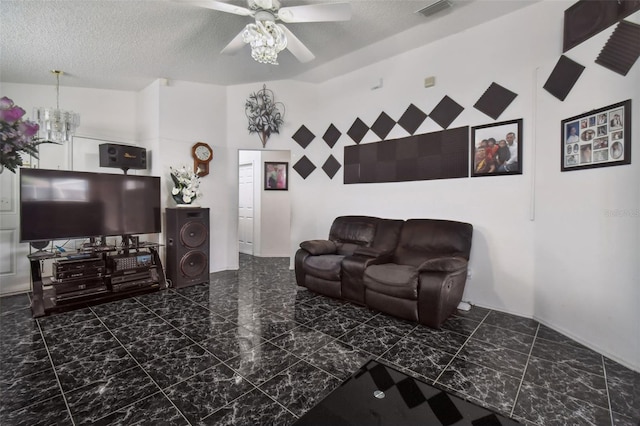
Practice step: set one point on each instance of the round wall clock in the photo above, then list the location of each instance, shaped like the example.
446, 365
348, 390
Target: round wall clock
202, 156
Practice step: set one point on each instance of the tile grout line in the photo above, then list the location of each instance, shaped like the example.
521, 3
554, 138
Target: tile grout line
460, 348
143, 369
53, 367
255, 386
524, 371
606, 386
220, 362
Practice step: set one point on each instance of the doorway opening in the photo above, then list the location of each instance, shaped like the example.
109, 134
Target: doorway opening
264, 216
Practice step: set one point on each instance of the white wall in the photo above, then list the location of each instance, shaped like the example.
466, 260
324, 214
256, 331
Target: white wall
587, 224
190, 113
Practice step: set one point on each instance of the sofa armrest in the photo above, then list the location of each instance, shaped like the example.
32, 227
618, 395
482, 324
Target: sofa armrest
444, 264
368, 251
317, 247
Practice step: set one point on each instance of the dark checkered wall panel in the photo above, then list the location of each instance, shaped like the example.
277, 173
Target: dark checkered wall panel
563, 77
495, 100
304, 167
622, 49
303, 136
446, 111
436, 155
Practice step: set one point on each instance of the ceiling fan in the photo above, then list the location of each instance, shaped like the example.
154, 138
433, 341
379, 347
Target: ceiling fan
266, 37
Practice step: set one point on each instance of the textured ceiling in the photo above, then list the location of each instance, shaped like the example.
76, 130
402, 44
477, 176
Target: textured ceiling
128, 44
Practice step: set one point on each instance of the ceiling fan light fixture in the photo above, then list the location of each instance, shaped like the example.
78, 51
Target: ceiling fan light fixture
266, 40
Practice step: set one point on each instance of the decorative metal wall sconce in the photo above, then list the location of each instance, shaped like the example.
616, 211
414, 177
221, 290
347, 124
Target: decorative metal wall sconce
264, 113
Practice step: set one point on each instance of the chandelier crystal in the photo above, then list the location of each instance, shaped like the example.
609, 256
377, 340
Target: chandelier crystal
266, 39
56, 125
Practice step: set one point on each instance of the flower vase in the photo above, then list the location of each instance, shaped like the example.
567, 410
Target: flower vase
181, 203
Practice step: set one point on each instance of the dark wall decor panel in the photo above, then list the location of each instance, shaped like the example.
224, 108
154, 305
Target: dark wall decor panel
445, 112
303, 136
622, 49
357, 130
495, 100
331, 166
407, 148
436, 155
563, 77
587, 18
304, 167
383, 125
332, 135
412, 118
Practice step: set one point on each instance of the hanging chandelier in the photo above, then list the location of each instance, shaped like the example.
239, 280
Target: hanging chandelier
265, 37
56, 125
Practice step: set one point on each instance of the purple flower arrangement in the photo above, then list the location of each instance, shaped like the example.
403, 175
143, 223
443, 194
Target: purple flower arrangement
16, 135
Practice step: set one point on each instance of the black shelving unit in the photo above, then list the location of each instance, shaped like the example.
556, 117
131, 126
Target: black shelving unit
95, 274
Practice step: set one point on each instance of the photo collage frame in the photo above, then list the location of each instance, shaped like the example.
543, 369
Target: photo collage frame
598, 138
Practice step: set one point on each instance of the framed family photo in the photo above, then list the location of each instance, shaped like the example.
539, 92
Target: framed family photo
599, 138
497, 149
276, 176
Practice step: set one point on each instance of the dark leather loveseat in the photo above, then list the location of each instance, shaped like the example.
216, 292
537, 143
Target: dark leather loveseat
414, 269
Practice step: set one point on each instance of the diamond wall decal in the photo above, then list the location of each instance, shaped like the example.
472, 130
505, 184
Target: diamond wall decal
331, 166
412, 118
563, 77
445, 112
383, 125
304, 167
303, 136
332, 135
358, 130
495, 100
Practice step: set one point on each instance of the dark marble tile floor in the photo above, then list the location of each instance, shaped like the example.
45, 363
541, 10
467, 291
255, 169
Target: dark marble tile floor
252, 348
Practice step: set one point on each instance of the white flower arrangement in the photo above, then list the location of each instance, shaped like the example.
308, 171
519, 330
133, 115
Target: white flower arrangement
186, 185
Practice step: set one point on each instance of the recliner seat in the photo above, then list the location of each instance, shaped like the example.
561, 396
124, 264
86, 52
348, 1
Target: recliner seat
414, 269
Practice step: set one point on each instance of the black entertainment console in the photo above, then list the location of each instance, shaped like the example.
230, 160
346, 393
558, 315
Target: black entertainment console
95, 274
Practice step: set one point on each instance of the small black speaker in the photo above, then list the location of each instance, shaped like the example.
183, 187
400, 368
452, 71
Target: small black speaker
122, 156
187, 244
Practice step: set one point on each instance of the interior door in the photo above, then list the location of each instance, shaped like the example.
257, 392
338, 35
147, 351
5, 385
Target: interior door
14, 266
245, 208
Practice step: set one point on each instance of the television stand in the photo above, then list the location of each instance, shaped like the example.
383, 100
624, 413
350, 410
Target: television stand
94, 275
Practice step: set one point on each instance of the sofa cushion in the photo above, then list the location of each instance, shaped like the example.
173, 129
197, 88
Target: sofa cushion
317, 247
353, 230
326, 266
393, 280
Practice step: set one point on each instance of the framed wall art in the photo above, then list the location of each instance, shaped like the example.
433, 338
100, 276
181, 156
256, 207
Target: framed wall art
276, 176
599, 138
497, 149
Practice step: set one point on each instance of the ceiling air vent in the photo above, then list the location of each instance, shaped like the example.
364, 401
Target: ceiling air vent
435, 7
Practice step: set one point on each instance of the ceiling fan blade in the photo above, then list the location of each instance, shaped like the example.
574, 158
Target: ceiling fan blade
234, 45
296, 47
221, 6
316, 13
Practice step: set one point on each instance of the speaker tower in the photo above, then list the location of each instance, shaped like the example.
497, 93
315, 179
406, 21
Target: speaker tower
187, 244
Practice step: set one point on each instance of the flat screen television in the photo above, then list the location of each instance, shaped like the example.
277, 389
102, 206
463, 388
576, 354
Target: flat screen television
60, 204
